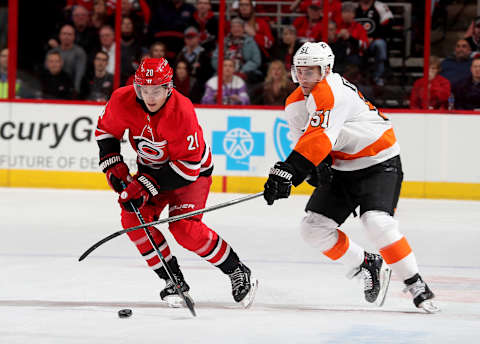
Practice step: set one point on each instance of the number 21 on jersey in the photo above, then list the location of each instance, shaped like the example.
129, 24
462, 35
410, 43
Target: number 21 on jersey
192, 141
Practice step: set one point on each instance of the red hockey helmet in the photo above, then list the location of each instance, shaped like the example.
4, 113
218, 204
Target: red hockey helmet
153, 72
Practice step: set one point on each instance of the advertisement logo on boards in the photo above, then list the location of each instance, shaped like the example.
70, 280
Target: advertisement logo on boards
238, 143
282, 138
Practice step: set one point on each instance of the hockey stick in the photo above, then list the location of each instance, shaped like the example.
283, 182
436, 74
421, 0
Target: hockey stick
170, 274
168, 220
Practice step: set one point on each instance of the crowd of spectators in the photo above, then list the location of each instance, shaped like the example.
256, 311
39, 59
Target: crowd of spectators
79, 59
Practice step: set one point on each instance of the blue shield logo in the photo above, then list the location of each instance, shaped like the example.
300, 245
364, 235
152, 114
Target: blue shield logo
282, 139
238, 143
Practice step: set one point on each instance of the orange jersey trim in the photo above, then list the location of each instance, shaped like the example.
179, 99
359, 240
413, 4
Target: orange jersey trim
387, 140
314, 144
295, 96
396, 251
339, 249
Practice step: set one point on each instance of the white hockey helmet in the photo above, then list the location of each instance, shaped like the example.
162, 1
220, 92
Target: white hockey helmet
313, 54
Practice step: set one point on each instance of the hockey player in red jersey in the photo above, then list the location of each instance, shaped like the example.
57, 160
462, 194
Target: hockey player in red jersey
174, 168
331, 120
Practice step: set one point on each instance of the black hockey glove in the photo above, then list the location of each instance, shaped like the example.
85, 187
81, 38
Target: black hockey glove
279, 183
322, 174
116, 171
138, 192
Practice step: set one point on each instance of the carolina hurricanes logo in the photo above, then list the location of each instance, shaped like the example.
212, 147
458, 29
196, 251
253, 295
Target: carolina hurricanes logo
150, 152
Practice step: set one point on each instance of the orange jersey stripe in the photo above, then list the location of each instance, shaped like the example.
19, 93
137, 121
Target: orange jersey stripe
396, 251
340, 247
295, 96
385, 141
314, 143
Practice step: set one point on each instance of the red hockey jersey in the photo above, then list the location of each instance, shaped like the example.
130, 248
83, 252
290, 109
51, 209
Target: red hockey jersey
169, 143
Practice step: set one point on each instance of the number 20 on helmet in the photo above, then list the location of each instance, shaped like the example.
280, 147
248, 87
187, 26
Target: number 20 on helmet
153, 72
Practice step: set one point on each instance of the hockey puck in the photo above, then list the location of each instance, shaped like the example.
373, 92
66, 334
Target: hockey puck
125, 313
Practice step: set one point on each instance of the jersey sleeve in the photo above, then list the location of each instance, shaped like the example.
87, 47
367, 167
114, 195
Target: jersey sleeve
327, 115
327, 112
189, 153
295, 114
186, 146
110, 128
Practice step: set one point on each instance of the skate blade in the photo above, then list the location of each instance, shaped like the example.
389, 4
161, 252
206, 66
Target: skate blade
429, 307
175, 301
248, 299
385, 275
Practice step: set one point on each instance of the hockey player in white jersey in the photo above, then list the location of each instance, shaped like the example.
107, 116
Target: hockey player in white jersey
347, 148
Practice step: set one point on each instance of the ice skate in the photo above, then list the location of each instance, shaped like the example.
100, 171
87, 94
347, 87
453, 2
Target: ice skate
376, 278
169, 294
422, 295
244, 286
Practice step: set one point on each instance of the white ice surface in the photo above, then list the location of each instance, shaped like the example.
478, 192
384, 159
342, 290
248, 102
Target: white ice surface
47, 296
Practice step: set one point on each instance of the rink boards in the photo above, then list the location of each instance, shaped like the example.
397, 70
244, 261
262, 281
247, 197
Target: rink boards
53, 145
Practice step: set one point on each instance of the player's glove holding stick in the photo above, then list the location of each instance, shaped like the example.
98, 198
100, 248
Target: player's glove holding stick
279, 182
116, 171
138, 192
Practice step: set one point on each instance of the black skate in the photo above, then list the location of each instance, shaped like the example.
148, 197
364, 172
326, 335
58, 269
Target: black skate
422, 295
376, 278
244, 286
169, 294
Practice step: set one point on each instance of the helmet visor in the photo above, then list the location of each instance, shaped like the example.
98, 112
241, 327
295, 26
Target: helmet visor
153, 91
306, 74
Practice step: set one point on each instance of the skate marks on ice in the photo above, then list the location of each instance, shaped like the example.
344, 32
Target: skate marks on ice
257, 306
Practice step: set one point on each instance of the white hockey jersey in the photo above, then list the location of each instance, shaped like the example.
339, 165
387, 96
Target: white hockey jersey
336, 119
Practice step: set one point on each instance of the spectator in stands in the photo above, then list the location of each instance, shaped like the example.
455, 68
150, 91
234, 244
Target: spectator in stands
85, 35
376, 18
234, 89
107, 42
182, 78
457, 66
344, 46
130, 50
137, 10
196, 56
285, 48
256, 27
186, 83
99, 86
3, 22
309, 27
71, 4
158, 50
99, 15
4, 74
243, 51
74, 58
474, 38
439, 89
206, 23
131, 8
22, 88
56, 83
169, 19
467, 91
347, 26
276, 87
